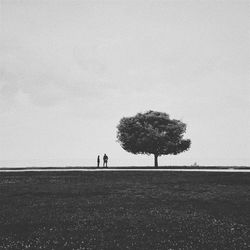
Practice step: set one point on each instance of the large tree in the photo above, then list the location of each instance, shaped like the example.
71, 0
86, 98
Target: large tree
152, 133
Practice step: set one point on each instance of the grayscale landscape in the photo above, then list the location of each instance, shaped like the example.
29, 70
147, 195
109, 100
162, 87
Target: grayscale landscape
124, 124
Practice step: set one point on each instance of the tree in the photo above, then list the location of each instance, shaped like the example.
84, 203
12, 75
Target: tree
152, 133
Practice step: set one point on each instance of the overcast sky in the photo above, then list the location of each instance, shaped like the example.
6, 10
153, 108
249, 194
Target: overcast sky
70, 70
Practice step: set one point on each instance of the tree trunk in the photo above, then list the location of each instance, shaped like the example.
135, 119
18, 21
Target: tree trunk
156, 160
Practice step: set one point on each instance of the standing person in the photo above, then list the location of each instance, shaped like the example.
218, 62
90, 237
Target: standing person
98, 161
105, 160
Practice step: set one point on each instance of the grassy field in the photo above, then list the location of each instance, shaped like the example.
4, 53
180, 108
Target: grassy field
124, 210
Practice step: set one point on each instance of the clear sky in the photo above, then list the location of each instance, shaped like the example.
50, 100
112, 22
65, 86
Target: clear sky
70, 70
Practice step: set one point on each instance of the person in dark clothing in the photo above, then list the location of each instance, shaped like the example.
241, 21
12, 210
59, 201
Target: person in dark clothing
105, 161
98, 161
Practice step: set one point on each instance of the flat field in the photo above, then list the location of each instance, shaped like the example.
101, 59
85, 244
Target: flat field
124, 210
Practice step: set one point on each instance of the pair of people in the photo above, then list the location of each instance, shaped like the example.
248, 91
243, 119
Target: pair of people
105, 161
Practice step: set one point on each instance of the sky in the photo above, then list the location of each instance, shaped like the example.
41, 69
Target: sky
70, 70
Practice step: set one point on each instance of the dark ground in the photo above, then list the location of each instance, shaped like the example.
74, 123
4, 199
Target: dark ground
124, 210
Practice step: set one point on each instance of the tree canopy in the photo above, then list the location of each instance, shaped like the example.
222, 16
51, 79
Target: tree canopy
154, 133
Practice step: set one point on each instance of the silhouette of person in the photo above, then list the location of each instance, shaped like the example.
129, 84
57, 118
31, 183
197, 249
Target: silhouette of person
105, 161
98, 161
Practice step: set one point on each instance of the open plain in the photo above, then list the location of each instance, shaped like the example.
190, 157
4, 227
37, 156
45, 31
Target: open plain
124, 210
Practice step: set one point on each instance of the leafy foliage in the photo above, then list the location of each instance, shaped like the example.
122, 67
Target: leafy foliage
152, 133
